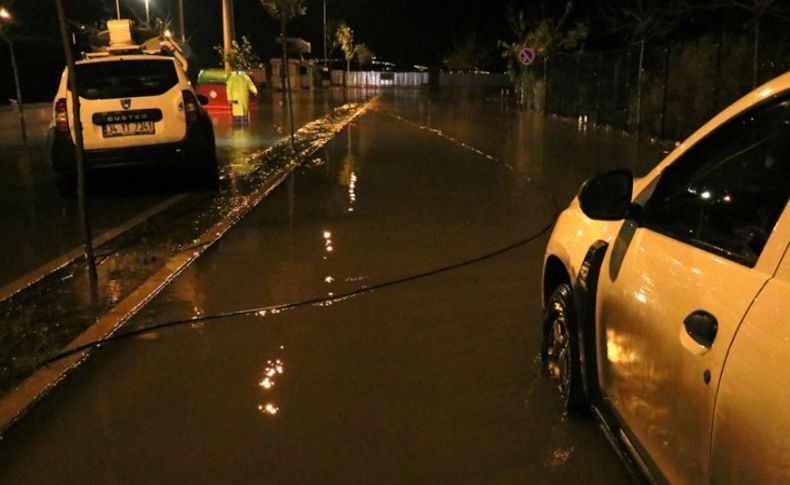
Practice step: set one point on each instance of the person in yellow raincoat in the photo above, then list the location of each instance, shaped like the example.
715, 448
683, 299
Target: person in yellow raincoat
238, 88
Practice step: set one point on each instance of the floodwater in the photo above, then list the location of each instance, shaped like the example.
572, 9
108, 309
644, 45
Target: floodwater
380, 329
40, 225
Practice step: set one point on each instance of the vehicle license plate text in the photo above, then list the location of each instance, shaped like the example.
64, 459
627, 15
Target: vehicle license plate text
128, 129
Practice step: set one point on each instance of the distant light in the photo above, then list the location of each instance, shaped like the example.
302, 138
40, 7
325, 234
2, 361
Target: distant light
5, 14
705, 195
168, 34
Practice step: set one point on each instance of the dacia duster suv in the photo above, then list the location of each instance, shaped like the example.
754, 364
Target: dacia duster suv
136, 109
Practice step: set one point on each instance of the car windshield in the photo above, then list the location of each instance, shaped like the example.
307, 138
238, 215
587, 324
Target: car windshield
123, 79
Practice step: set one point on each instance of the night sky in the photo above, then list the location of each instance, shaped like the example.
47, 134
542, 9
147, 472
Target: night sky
406, 32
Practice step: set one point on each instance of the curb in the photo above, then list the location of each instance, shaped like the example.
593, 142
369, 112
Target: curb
124, 229
14, 405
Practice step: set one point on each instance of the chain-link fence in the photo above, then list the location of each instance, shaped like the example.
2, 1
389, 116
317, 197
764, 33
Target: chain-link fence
682, 85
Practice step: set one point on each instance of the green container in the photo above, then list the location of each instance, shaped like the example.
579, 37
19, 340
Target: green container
212, 75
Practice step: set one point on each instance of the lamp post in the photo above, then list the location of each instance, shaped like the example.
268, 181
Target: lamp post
5, 16
181, 21
147, 17
226, 31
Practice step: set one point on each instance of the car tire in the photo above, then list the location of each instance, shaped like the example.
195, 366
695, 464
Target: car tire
560, 350
207, 175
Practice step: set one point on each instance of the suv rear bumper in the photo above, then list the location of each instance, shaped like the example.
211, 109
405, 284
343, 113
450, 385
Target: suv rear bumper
196, 149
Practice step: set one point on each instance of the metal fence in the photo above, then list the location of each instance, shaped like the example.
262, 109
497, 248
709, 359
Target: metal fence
476, 79
376, 78
682, 85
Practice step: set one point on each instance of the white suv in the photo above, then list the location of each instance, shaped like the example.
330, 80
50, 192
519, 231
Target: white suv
666, 302
136, 109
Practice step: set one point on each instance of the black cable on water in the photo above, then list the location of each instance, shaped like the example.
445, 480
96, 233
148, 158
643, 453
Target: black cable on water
348, 294
308, 302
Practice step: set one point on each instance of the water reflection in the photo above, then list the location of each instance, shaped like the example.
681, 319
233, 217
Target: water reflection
271, 374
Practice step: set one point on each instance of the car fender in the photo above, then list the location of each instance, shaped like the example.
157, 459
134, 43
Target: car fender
573, 234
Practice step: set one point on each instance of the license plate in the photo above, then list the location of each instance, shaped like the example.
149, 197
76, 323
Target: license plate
128, 129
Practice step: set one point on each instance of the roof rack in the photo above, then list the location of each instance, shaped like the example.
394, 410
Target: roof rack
121, 42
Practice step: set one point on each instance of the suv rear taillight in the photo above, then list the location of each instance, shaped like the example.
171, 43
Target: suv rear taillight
191, 106
61, 116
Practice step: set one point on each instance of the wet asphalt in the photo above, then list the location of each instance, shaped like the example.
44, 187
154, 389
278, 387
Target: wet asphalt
38, 225
408, 350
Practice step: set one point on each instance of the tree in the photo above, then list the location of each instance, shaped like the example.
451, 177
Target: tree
239, 55
285, 10
640, 21
465, 57
758, 10
344, 38
546, 36
363, 54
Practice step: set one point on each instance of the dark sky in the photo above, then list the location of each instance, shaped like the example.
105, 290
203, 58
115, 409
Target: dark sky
406, 32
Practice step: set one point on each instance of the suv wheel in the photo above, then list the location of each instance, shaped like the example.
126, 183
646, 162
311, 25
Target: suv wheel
206, 177
560, 350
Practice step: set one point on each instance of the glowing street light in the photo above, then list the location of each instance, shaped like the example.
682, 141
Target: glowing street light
5, 14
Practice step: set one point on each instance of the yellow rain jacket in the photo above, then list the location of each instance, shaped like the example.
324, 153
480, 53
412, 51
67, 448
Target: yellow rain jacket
238, 89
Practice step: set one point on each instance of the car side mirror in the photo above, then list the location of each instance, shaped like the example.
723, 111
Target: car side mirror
202, 99
607, 196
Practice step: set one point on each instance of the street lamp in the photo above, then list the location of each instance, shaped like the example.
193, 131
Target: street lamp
5, 16
147, 17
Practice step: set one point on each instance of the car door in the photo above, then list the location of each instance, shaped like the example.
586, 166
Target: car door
679, 279
751, 428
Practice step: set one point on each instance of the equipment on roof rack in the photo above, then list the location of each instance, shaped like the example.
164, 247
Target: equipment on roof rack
121, 41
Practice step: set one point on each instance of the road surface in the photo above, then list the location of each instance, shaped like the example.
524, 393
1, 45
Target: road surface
381, 330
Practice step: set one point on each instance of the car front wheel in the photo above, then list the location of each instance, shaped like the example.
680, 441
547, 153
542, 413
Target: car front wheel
560, 350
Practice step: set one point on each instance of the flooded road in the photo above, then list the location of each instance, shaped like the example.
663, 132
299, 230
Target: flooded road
40, 225
375, 320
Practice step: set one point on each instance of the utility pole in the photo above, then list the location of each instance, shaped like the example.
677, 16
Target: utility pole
118, 9
5, 15
226, 28
326, 60
19, 106
79, 150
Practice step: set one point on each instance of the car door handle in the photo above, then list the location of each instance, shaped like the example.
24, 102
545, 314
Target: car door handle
702, 327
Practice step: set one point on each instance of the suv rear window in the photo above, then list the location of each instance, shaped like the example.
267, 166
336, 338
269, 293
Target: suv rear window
126, 79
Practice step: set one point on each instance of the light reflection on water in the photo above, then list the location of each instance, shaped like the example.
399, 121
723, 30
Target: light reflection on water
272, 373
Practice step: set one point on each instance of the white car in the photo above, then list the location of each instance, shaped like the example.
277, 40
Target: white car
666, 302
136, 109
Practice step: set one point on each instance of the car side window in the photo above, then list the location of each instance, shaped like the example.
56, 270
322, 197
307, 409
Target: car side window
726, 193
